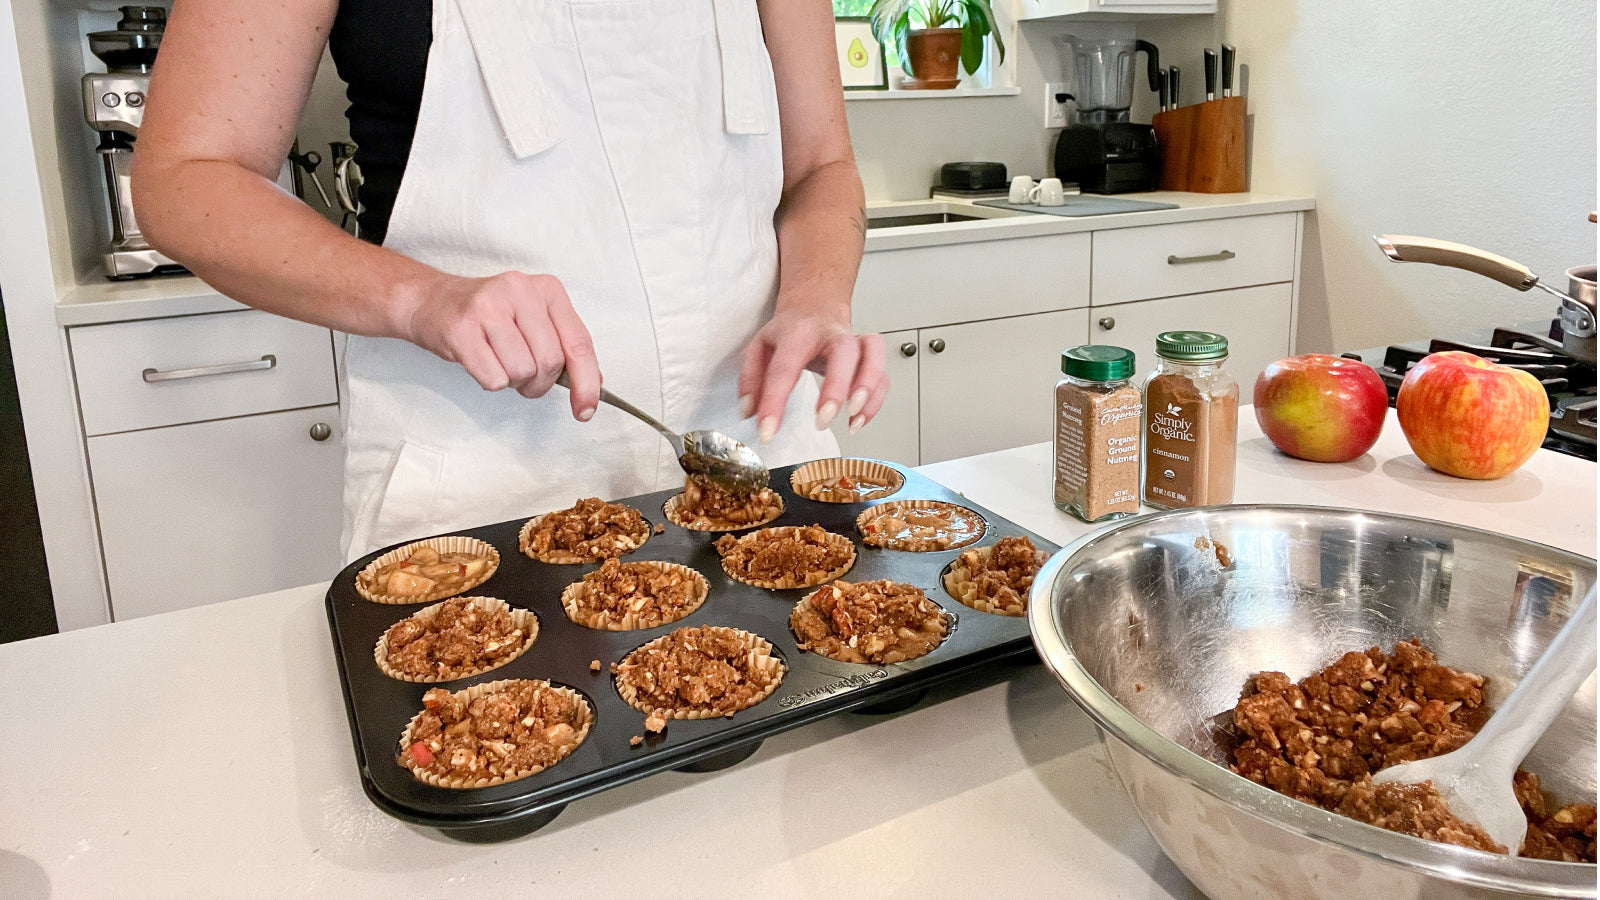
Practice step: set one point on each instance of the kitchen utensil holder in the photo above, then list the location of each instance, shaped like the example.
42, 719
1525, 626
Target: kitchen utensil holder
1203, 146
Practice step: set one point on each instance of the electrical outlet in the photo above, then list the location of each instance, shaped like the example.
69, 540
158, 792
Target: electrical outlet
1055, 114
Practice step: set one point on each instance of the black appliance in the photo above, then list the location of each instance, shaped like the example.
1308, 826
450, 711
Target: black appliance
965, 177
1101, 150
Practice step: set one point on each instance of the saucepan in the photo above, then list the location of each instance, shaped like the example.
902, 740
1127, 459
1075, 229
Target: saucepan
1577, 304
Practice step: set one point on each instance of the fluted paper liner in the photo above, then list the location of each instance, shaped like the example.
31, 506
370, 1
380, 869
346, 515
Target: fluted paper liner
563, 557
758, 657
455, 543
806, 479
805, 605
916, 545
521, 618
674, 513
605, 621
957, 582
811, 580
470, 694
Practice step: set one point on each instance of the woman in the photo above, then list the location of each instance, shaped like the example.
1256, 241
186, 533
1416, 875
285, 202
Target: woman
649, 189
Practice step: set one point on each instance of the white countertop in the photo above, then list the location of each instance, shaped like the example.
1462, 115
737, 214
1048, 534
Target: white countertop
206, 752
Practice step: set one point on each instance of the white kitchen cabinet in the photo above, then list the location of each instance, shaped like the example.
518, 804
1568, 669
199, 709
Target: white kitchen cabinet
1255, 321
210, 511
1046, 9
893, 433
1192, 257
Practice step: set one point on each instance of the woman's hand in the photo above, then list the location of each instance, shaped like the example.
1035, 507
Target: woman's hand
509, 330
794, 340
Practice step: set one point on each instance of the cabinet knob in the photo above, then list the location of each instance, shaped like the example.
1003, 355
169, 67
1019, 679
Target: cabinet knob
321, 431
1107, 323
936, 345
908, 349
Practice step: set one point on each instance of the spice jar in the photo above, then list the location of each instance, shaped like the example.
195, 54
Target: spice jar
1097, 434
1191, 422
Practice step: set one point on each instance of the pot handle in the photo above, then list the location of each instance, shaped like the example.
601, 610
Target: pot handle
1406, 248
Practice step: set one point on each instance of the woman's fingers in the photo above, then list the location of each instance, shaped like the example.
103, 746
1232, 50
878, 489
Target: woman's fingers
875, 395
473, 353
577, 347
789, 359
752, 372
868, 376
841, 356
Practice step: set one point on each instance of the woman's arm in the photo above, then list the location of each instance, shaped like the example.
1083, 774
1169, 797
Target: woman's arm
224, 99
821, 226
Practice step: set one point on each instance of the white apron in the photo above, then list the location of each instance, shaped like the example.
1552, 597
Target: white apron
631, 149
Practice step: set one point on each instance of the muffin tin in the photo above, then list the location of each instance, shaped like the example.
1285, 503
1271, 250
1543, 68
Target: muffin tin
814, 687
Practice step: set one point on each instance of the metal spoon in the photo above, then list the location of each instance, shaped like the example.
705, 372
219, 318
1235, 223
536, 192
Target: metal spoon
711, 454
1476, 779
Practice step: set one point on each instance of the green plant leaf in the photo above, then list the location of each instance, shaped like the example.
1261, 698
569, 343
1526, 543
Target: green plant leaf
888, 18
971, 49
979, 11
903, 31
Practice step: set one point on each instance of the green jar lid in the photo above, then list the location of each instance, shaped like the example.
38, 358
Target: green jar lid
1191, 345
1098, 362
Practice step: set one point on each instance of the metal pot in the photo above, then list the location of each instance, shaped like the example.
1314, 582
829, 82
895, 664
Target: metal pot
1577, 309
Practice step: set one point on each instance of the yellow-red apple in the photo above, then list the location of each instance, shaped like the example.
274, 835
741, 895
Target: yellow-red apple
1322, 408
1472, 418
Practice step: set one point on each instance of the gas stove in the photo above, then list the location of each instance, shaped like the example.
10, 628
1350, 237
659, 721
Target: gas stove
1534, 348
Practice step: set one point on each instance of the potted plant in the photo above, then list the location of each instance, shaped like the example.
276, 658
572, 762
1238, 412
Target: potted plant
952, 33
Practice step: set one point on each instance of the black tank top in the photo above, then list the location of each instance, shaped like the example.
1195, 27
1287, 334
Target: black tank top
380, 49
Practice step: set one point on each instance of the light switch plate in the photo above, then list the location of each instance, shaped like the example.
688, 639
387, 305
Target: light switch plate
1055, 114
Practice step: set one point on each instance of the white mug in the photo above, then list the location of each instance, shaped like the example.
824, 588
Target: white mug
1022, 190
1049, 193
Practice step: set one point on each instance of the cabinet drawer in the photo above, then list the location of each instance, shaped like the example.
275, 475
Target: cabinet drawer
1255, 321
218, 510
922, 286
158, 372
1192, 257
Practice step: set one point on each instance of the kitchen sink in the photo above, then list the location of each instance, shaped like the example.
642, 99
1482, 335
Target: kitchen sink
932, 212
938, 218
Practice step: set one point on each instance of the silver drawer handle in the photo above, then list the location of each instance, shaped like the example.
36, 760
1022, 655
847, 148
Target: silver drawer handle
151, 376
1209, 257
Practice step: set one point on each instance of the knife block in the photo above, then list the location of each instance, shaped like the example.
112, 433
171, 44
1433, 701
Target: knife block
1202, 146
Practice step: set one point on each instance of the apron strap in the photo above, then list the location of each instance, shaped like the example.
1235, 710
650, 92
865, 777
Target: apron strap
739, 38
511, 73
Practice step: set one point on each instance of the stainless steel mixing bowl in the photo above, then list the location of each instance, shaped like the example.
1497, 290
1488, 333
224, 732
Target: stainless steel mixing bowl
1152, 635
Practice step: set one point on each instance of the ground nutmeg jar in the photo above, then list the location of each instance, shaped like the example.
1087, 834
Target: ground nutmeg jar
1097, 434
1191, 422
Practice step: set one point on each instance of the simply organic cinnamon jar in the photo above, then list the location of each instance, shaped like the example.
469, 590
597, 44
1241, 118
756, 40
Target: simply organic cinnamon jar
1097, 434
1191, 422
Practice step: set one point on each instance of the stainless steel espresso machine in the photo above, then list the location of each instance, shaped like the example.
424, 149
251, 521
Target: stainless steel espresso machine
113, 104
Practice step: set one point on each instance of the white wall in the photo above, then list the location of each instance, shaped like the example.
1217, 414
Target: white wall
1472, 121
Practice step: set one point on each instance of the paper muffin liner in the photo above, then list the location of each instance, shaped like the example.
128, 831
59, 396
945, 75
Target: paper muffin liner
472, 693
630, 621
563, 557
758, 655
916, 545
672, 509
521, 618
805, 479
811, 580
957, 581
805, 604
455, 543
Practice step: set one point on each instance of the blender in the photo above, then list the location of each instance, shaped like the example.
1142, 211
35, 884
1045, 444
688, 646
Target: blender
1101, 150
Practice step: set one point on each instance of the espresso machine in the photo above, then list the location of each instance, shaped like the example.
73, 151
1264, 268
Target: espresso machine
113, 104
1101, 150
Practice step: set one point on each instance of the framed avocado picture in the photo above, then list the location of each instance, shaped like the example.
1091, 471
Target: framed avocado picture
861, 63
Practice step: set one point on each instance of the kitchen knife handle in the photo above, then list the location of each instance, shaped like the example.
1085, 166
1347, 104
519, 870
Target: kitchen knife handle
1172, 86
1229, 53
1408, 248
1152, 59
1161, 89
1211, 73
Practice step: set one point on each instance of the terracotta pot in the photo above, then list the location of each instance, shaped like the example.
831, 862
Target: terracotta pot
935, 59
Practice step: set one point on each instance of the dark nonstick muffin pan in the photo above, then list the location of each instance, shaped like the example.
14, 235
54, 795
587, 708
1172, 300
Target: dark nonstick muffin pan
814, 686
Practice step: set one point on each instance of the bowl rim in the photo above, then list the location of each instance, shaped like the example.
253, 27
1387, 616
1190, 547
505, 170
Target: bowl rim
1456, 864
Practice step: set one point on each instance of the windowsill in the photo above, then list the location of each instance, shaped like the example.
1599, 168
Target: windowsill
902, 94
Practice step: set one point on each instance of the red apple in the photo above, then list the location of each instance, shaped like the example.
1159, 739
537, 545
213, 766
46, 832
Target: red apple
1472, 418
1322, 408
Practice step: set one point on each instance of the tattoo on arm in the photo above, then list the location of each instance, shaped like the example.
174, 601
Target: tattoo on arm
859, 220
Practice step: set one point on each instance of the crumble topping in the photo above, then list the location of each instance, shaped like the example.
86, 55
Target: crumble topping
707, 506
511, 731
461, 638
709, 670
625, 596
996, 579
589, 530
787, 556
876, 622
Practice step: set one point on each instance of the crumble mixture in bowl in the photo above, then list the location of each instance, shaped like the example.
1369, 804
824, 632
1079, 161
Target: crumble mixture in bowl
698, 673
995, 579
456, 638
492, 733
707, 506
623, 596
428, 570
845, 480
920, 526
876, 622
588, 531
788, 556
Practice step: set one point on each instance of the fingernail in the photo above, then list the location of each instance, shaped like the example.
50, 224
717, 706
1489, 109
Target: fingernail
857, 401
768, 429
585, 414
856, 422
825, 415
747, 405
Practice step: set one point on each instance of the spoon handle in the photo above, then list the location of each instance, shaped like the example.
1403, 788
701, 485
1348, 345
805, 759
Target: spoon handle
672, 437
1543, 693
